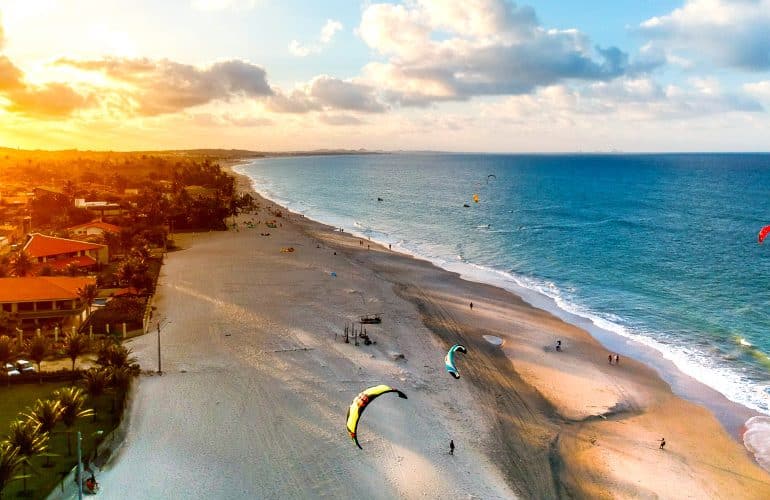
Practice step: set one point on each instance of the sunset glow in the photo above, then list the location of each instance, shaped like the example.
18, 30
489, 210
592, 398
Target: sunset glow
488, 76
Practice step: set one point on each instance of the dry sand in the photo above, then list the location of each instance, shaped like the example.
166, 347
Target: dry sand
257, 382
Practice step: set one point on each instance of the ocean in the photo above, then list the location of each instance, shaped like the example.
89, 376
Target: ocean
660, 249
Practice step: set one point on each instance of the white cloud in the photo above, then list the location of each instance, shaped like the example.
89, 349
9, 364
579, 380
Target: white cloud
441, 51
324, 93
325, 38
215, 5
734, 33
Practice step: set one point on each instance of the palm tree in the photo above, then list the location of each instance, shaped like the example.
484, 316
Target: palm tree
21, 264
87, 294
72, 402
120, 380
7, 352
9, 463
47, 413
75, 344
114, 354
37, 349
95, 382
25, 435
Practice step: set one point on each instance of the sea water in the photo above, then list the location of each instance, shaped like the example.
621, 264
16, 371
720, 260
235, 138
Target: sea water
658, 248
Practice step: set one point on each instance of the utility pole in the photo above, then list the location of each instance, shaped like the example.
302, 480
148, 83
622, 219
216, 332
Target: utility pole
80, 469
160, 324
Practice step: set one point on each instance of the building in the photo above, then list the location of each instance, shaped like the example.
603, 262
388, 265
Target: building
58, 253
42, 300
102, 208
93, 228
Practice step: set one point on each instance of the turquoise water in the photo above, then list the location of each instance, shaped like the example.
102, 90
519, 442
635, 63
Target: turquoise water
658, 248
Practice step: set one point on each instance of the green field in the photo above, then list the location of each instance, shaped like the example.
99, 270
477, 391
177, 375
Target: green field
46, 476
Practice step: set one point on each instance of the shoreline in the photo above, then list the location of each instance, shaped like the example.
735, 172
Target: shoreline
257, 380
731, 415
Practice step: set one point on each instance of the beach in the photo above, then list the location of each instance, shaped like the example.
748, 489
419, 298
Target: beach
257, 380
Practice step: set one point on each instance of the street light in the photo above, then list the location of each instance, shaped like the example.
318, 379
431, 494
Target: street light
80, 463
160, 324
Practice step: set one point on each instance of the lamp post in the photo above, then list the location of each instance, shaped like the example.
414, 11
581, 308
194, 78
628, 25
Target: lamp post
160, 324
80, 470
80, 463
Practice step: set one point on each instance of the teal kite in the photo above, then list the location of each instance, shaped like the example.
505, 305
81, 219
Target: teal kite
449, 360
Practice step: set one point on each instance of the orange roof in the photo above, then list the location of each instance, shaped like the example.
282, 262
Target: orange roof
41, 245
41, 288
61, 264
104, 226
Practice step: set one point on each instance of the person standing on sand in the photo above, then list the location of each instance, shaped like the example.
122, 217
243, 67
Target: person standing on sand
617, 359
609, 358
451, 447
662, 443
471, 306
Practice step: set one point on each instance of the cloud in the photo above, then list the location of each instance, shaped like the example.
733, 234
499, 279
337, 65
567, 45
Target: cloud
162, 86
216, 5
49, 100
733, 33
442, 51
624, 100
325, 93
325, 38
338, 120
10, 76
2, 34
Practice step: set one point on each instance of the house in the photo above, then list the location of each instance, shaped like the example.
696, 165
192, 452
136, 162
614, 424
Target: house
44, 299
93, 228
61, 252
103, 208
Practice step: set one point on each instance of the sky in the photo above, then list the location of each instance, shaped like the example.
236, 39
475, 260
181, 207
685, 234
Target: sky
450, 75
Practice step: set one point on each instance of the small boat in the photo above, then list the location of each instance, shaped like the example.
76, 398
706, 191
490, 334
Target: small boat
465, 205
371, 319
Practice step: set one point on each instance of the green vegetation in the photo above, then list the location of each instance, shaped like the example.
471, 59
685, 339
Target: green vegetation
38, 423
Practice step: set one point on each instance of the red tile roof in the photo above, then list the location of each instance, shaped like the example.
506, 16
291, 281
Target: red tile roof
104, 226
41, 288
41, 245
61, 264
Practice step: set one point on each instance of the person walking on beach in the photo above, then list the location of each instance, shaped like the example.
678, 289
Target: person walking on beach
662, 443
609, 358
617, 359
558, 345
471, 306
451, 447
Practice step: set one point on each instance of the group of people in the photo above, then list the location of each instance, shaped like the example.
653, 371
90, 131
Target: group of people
613, 359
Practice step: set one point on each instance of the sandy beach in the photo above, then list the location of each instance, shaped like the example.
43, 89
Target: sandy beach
257, 381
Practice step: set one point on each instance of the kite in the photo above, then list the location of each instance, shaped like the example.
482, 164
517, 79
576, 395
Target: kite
491, 175
449, 359
763, 233
359, 404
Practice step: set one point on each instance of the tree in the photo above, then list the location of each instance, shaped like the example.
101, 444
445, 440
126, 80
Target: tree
87, 294
95, 382
26, 437
72, 402
21, 264
7, 352
113, 354
75, 344
8, 323
47, 413
37, 349
9, 463
120, 380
